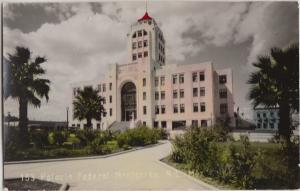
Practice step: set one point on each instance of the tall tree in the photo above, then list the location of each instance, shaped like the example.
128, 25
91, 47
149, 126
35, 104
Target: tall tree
276, 84
88, 105
23, 83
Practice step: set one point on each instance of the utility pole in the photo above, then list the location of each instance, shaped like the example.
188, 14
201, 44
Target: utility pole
8, 119
67, 117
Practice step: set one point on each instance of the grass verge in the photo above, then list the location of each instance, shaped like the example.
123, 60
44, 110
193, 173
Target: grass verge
184, 168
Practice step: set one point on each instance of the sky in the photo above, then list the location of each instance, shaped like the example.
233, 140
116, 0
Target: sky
81, 40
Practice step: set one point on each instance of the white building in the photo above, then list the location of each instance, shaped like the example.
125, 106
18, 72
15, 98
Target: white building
158, 94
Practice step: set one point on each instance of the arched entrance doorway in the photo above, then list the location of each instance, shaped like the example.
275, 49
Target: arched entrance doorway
128, 101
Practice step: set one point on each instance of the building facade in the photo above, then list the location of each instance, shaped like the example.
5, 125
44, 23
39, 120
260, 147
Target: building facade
146, 90
266, 118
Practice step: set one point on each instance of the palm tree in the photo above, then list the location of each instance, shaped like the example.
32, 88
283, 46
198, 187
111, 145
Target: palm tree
276, 84
23, 83
88, 105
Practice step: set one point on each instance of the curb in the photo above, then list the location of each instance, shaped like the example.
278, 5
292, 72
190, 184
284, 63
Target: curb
82, 158
207, 186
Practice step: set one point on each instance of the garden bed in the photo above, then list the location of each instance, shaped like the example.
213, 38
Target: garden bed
36, 184
82, 143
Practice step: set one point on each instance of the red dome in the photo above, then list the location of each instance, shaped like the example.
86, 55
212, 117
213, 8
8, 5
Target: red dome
145, 17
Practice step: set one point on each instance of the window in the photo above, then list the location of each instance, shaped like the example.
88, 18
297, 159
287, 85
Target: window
202, 91
140, 33
271, 125
156, 96
155, 124
98, 126
175, 108
144, 81
144, 123
104, 114
144, 110
104, 100
181, 93
99, 87
162, 95
144, 95
110, 86
258, 125
145, 43
175, 94
223, 93
134, 35
134, 45
264, 114
181, 78
223, 108
195, 92
110, 111
194, 76
156, 81
140, 44
163, 124
162, 80
146, 54
195, 107
177, 125
110, 99
145, 33
201, 76
134, 57
203, 123
181, 108
258, 115
194, 123
104, 88
222, 79
265, 125
140, 55
175, 79
163, 109
156, 109
202, 107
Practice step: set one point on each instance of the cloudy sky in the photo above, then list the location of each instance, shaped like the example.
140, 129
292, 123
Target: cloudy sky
80, 40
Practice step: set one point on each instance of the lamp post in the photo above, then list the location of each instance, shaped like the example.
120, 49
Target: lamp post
67, 109
8, 119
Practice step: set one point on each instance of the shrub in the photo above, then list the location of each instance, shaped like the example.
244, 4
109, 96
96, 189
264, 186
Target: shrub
40, 138
201, 151
98, 146
178, 151
58, 137
85, 136
243, 162
139, 136
161, 133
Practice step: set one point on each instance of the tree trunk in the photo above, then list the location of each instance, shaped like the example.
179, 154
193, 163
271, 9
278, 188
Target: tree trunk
285, 128
23, 120
89, 122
